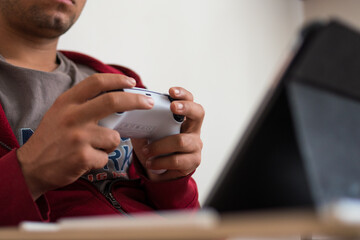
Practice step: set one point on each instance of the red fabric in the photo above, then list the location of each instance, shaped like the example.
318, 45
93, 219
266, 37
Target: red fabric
6, 134
81, 198
16, 201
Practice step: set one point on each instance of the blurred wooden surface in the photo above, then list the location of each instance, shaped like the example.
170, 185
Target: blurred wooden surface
263, 225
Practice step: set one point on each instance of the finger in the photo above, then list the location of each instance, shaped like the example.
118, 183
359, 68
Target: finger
89, 158
181, 93
138, 145
112, 102
180, 143
98, 159
97, 84
104, 139
193, 112
185, 163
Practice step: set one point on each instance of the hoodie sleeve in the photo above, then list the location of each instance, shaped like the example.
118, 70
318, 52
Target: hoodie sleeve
16, 202
175, 194
181, 193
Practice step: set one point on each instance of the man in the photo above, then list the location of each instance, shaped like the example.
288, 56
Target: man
56, 160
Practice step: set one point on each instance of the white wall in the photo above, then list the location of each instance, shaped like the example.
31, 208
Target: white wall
224, 51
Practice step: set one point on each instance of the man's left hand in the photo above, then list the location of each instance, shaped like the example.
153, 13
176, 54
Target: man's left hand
180, 154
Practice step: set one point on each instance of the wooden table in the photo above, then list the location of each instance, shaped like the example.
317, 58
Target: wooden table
190, 226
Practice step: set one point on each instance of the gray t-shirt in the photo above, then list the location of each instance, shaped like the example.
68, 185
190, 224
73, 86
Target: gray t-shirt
27, 94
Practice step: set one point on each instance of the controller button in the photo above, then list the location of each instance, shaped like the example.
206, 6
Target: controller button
178, 118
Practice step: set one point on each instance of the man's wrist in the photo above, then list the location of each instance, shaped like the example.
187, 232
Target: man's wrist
32, 184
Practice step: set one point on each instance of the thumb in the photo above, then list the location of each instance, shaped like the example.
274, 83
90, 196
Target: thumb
138, 145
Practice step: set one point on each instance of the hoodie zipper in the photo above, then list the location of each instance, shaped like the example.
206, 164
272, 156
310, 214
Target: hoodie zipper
115, 203
110, 197
5, 146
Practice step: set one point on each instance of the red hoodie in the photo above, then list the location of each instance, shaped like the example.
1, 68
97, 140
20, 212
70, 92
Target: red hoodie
81, 198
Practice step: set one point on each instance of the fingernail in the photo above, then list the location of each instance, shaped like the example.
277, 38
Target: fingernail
179, 106
132, 81
177, 92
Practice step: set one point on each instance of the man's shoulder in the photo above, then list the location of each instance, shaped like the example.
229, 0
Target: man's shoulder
101, 67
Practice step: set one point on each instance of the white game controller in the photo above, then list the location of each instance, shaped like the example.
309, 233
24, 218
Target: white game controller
153, 124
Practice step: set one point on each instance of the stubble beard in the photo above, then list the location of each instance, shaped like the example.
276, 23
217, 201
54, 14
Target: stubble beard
50, 26
38, 21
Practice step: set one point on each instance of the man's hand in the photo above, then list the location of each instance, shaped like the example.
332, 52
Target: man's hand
180, 154
69, 142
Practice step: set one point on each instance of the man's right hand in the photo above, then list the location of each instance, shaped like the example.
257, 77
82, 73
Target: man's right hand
69, 142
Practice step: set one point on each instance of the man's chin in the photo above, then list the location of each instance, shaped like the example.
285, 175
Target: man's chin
55, 26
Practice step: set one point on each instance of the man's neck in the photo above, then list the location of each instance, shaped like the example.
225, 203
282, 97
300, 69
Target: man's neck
27, 51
